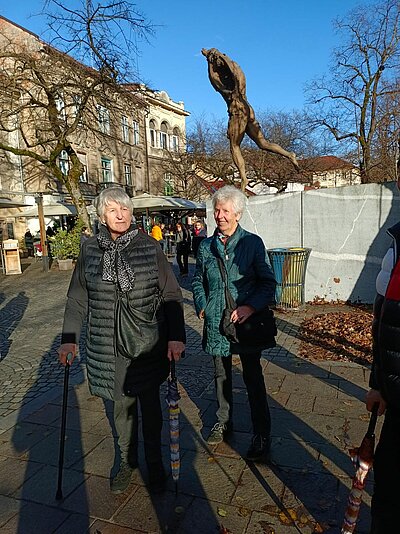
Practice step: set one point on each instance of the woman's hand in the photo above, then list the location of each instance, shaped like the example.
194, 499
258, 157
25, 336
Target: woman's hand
374, 397
242, 313
175, 349
67, 351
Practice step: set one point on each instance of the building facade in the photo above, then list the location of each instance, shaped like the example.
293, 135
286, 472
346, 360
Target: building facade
120, 136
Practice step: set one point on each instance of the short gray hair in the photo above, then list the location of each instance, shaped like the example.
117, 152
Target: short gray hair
111, 194
232, 194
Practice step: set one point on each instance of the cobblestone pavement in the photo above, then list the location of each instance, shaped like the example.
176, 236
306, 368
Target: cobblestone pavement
317, 412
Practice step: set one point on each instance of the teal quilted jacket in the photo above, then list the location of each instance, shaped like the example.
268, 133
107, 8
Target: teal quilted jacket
250, 281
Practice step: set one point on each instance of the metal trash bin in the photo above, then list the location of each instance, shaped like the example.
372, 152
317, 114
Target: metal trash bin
289, 267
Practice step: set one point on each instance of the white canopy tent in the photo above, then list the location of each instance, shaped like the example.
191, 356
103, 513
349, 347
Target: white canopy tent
147, 203
7, 203
50, 210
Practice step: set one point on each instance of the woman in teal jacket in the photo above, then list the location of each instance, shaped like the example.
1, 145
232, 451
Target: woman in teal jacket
252, 286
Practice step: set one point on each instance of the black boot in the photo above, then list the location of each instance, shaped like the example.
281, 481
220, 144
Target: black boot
259, 449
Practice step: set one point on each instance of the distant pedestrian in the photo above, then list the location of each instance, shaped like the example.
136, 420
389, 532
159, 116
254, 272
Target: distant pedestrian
385, 389
182, 240
252, 286
28, 237
85, 234
198, 234
156, 232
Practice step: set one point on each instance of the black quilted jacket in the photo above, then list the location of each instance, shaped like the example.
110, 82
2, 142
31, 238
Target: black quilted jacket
385, 374
90, 297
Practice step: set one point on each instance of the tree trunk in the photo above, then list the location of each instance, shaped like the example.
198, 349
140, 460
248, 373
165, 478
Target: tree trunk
79, 202
365, 165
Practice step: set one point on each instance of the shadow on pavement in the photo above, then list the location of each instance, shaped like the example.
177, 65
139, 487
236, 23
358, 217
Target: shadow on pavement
35, 441
10, 315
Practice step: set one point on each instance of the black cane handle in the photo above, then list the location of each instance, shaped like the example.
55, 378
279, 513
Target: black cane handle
373, 419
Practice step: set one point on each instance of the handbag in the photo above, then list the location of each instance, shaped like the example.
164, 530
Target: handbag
257, 332
139, 333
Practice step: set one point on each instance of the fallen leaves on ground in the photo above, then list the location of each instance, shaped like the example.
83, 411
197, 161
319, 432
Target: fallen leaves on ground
340, 336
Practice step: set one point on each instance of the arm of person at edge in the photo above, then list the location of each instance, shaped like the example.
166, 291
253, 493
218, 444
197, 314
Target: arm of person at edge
199, 294
173, 305
264, 292
75, 312
374, 395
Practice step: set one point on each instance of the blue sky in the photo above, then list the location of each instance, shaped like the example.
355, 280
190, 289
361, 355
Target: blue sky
279, 46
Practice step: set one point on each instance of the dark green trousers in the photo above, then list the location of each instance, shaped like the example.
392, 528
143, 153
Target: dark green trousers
126, 421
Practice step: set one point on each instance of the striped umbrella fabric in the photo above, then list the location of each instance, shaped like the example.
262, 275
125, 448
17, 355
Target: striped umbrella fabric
172, 399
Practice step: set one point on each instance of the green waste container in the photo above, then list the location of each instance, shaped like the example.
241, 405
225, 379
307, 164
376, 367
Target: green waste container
289, 266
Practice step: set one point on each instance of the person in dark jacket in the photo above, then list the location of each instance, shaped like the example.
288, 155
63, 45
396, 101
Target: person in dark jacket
385, 389
182, 240
29, 242
121, 262
252, 286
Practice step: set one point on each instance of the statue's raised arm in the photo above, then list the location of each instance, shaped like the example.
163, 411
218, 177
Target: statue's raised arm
228, 79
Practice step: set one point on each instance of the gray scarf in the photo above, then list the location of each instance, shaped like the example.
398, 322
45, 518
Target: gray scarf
116, 268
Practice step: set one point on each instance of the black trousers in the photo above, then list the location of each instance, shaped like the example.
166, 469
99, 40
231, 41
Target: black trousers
182, 258
386, 477
255, 385
126, 424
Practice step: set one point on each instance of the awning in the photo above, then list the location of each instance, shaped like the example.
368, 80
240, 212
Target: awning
159, 203
7, 203
50, 210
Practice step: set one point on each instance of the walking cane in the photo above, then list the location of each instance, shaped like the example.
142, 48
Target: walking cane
59, 494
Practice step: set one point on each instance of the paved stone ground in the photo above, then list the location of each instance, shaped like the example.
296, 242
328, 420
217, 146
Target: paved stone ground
317, 413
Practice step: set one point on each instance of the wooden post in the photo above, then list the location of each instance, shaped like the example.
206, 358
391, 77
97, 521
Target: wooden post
43, 236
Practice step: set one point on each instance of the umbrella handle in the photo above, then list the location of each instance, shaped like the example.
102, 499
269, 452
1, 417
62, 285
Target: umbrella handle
373, 419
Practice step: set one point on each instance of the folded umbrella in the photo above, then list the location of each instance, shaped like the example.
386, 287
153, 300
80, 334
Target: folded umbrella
172, 399
362, 458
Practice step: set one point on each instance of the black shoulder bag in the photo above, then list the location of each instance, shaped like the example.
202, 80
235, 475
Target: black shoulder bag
138, 333
257, 332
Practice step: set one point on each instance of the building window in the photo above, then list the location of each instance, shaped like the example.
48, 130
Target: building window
128, 173
174, 141
60, 105
63, 162
76, 108
125, 129
83, 178
164, 136
106, 170
153, 137
104, 119
168, 184
135, 126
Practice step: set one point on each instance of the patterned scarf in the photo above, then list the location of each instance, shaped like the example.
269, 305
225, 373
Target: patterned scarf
116, 268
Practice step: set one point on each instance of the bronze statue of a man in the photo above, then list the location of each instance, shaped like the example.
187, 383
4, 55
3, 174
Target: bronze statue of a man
228, 79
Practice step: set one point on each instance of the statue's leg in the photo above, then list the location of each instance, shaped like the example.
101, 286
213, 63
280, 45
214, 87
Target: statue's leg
253, 130
236, 130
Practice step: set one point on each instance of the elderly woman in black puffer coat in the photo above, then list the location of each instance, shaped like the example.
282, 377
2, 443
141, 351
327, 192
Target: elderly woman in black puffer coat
123, 263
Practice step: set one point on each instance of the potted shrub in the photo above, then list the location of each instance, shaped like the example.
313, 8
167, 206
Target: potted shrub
23, 250
65, 247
